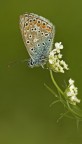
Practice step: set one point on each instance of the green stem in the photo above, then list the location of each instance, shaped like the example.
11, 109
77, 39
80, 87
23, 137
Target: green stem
54, 82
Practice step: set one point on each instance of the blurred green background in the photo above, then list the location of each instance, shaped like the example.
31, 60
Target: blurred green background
25, 115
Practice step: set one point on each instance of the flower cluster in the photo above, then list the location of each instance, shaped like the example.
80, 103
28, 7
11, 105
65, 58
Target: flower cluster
71, 93
55, 62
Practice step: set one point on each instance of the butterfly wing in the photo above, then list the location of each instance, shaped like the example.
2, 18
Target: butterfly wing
38, 34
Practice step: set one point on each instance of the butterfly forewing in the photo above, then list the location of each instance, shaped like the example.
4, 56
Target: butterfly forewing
38, 34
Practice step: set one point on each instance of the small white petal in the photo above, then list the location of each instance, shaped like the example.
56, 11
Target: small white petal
56, 69
58, 51
57, 45
78, 100
69, 93
61, 46
61, 70
72, 87
50, 61
51, 53
75, 99
66, 66
62, 62
75, 90
59, 56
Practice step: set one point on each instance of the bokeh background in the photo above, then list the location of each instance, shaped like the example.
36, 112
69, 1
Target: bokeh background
25, 115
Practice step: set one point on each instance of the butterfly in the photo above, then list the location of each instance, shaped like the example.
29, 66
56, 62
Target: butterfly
38, 35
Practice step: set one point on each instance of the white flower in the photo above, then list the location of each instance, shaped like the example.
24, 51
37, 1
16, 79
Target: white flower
71, 81
71, 93
58, 45
55, 61
64, 64
75, 99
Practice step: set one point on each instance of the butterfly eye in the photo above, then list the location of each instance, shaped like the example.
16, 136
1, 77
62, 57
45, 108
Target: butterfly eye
28, 42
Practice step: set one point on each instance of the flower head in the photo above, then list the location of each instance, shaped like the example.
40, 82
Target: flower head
71, 93
55, 57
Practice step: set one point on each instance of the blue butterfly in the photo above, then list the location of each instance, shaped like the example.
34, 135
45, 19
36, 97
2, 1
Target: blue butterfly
38, 35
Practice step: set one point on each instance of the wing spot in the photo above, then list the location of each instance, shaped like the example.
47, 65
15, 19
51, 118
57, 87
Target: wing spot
48, 27
32, 49
44, 23
26, 15
30, 20
42, 33
32, 29
39, 21
38, 45
39, 31
28, 42
34, 19
49, 40
46, 34
30, 36
26, 24
43, 44
35, 29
